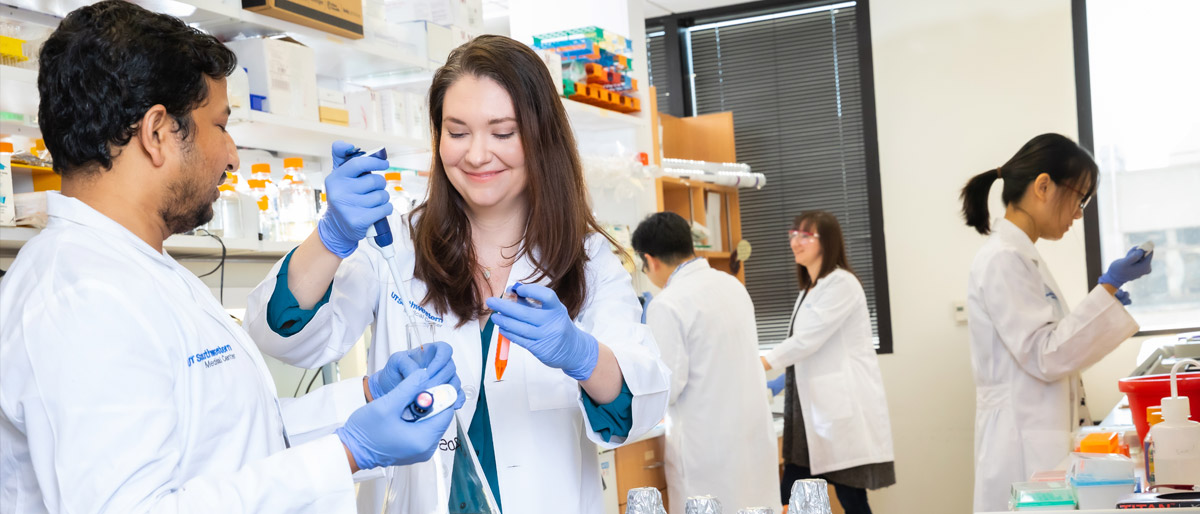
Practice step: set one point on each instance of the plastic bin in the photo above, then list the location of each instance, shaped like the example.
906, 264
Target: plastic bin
1149, 391
1041, 496
1100, 494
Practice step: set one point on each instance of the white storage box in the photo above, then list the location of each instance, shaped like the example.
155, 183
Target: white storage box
282, 70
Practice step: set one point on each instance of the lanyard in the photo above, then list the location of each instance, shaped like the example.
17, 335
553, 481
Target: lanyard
677, 268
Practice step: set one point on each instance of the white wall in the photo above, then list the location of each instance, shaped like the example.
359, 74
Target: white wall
959, 87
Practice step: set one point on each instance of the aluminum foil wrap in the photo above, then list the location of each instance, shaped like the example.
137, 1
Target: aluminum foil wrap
756, 510
644, 500
809, 496
703, 505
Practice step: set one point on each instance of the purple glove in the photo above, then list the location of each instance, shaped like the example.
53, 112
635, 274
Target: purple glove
1133, 265
1123, 297
546, 331
376, 436
435, 359
776, 385
356, 199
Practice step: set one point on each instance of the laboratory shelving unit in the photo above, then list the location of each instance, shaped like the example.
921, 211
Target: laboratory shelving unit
361, 61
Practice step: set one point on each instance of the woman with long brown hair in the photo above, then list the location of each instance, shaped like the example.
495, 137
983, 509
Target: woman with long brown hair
507, 211
836, 423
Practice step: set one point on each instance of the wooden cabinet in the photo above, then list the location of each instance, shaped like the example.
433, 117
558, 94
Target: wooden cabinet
641, 464
705, 203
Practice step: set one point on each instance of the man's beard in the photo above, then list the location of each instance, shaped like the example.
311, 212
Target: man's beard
187, 204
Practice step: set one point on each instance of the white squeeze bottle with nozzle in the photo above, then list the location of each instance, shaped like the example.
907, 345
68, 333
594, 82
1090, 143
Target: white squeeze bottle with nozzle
1176, 439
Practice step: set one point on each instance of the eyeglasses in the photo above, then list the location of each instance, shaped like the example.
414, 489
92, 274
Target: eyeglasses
1084, 199
805, 237
644, 268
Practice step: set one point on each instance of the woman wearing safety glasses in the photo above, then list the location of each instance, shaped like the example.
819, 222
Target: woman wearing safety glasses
1027, 348
836, 424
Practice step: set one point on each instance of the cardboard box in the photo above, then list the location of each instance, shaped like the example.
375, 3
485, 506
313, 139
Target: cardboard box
331, 97
340, 17
335, 116
393, 107
418, 116
282, 70
464, 13
365, 110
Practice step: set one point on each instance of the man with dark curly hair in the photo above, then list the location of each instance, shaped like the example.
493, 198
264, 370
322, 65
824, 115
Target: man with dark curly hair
124, 385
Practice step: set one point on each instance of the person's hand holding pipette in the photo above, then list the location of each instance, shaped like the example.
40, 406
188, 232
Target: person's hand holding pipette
356, 197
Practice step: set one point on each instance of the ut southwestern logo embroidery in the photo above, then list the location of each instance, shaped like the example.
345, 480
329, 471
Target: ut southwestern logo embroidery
212, 356
418, 308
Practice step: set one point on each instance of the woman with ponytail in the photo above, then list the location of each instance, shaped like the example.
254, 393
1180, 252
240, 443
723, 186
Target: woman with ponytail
1027, 347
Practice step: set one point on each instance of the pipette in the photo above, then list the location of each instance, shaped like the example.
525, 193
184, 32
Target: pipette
379, 236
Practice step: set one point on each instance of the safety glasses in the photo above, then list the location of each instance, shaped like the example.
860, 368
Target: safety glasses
805, 237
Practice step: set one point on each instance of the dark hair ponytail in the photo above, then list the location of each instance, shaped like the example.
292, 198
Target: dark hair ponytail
974, 197
1053, 154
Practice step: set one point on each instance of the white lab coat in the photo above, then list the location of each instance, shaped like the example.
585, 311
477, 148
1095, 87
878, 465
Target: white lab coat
720, 437
837, 376
1027, 351
125, 387
546, 456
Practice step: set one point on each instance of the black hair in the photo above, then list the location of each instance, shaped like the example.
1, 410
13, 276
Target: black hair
1053, 154
106, 65
664, 235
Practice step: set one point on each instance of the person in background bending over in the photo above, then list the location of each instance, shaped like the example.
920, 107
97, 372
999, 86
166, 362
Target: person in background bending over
836, 423
703, 322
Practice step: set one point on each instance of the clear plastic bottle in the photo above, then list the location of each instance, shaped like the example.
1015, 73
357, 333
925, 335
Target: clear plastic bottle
297, 208
268, 217
262, 171
401, 201
227, 213
1153, 417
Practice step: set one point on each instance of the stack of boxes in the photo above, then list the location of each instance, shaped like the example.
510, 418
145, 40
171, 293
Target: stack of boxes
594, 67
428, 29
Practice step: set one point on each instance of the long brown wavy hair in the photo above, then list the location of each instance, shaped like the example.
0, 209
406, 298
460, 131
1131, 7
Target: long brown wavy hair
560, 217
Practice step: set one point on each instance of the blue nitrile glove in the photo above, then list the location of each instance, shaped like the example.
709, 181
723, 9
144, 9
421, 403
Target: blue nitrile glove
1123, 297
1134, 264
776, 385
376, 436
355, 202
547, 331
435, 359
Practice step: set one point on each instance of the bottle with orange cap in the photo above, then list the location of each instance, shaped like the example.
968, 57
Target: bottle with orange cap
8, 209
227, 212
262, 171
297, 202
401, 201
268, 217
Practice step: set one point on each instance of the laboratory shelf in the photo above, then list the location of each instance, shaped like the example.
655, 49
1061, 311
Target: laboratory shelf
291, 136
18, 91
178, 246
585, 117
336, 56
